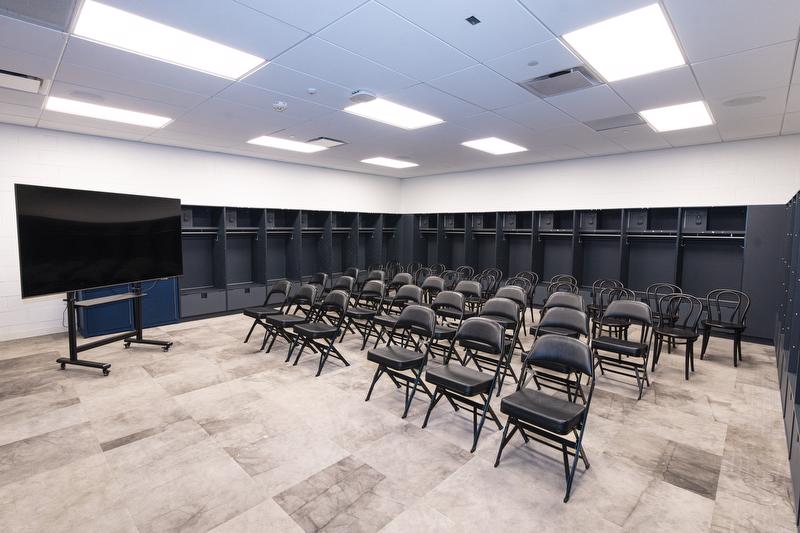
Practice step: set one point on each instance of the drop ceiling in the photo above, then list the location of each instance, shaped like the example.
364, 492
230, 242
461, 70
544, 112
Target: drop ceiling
419, 53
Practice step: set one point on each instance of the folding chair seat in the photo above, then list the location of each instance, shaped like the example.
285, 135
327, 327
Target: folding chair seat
396, 361
548, 419
565, 322
360, 316
461, 385
276, 298
326, 328
279, 325
623, 356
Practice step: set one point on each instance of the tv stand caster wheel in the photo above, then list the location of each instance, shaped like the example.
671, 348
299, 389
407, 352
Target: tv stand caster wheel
63, 366
106, 371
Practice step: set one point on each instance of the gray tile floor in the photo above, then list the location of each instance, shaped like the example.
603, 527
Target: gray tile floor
217, 436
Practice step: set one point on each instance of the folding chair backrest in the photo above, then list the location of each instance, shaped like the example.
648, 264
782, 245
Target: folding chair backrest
408, 293
400, 279
567, 352
449, 301
565, 299
353, 272
418, 317
482, 334
469, 288
513, 292
565, 318
379, 275
635, 312
433, 283
336, 301
344, 283
501, 307
280, 289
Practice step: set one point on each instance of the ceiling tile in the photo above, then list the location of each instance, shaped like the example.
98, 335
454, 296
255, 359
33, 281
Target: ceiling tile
131, 86
482, 87
668, 87
346, 127
550, 56
702, 135
754, 70
504, 25
774, 103
91, 126
735, 129
261, 98
386, 38
187, 139
793, 104
221, 118
142, 69
20, 110
223, 21
791, 123
309, 15
537, 115
21, 98
563, 16
29, 49
275, 77
714, 28
430, 100
592, 103
20, 121
637, 138
107, 98
329, 62
489, 124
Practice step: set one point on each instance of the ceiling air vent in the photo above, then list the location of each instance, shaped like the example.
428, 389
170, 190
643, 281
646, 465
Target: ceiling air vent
327, 142
563, 81
610, 123
19, 82
53, 14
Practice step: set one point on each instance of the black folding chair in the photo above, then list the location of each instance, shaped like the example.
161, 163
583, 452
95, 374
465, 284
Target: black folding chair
396, 361
626, 357
449, 309
405, 295
525, 285
280, 325
564, 322
459, 384
360, 316
276, 298
548, 419
432, 286
400, 279
323, 331
505, 312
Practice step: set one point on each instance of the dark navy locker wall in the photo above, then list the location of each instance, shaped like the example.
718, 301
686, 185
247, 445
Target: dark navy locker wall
600, 258
762, 252
711, 264
651, 260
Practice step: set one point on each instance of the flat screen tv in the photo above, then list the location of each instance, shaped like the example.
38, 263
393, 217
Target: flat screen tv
71, 239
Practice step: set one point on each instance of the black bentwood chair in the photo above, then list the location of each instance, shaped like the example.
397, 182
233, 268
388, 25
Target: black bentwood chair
395, 360
322, 333
548, 419
368, 303
276, 298
729, 318
679, 315
279, 325
626, 357
460, 384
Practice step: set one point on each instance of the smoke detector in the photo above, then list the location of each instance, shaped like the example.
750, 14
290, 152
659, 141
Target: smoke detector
360, 96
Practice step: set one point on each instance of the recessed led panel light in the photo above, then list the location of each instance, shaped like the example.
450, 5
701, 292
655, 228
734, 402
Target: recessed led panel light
632, 44
393, 114
286, 144
387, 162
102, 112
494, 146
678, 117
126, 31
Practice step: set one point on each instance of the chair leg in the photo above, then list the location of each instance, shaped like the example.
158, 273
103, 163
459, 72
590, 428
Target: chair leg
437, 395
505, 439
686, 363
476, 430
417, 375
251, 331
378, 372
657, 352
737, 347
296, 359
578, 453
706, 335
690, 347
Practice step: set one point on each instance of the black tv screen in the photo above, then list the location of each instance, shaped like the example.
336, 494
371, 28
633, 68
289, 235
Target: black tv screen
71, 239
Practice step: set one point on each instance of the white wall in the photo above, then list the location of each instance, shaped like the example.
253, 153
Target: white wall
759, 171
43, 157
763, 171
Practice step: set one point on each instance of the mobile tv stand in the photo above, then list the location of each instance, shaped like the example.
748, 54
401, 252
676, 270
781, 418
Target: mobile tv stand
128, 337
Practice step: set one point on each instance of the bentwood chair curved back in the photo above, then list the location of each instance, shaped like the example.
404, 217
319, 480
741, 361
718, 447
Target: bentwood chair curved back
726, 311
